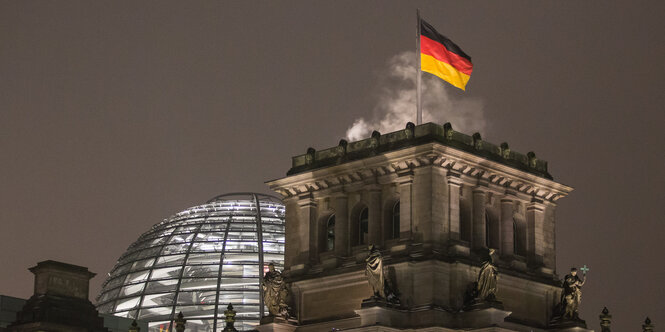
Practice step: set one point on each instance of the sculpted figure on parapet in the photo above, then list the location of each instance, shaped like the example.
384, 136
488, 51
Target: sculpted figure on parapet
374, 271
381, 287
275, 293
572, 294
487, 279
482, 292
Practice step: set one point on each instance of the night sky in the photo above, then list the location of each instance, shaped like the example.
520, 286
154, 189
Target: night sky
115, 115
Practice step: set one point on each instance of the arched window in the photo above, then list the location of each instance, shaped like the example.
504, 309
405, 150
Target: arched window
515, 250
330, 233
492, 230
363, 225
519, 237
465, 219
395, 221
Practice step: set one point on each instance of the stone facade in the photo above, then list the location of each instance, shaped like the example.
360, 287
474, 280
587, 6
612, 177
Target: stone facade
60, 301
10, 306
433, 200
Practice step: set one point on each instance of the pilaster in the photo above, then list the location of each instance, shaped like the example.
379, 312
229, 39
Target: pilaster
375, 229
535, 234
311, 230
405, 181
549, 229
296, 251
479, 229
507, 226
341, 206
453, 216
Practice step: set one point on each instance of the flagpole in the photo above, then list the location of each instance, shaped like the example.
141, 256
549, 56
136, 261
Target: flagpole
419, 111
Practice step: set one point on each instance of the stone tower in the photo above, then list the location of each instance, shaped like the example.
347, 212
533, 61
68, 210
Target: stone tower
434, 201
60, 301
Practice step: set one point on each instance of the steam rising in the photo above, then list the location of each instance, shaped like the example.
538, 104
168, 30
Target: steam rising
397, 102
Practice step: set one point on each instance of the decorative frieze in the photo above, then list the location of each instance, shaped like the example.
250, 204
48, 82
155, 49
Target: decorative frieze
384, 168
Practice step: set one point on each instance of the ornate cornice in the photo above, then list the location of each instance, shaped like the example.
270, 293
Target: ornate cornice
385, 168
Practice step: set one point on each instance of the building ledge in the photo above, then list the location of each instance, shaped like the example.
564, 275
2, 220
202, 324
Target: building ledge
414, 135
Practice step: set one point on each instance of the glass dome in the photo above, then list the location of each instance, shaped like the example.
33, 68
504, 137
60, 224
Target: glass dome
197, 262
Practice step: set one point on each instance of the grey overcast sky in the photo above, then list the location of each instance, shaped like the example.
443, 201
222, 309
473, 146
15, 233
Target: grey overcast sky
117, 114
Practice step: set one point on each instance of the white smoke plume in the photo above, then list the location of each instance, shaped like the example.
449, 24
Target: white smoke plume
397, 102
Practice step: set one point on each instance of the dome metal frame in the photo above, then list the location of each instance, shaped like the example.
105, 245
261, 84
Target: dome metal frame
176, 256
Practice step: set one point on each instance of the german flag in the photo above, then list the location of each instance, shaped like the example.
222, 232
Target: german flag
441, 57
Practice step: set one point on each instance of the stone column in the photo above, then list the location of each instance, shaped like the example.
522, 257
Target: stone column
375, 229
406, 205
454, 183
549, 256
535, 218
479, 228
507, 222
342, 244
309, 237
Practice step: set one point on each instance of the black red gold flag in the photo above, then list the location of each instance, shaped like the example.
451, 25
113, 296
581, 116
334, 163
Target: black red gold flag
441, 57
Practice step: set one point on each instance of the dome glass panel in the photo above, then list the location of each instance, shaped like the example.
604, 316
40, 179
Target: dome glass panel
197, 262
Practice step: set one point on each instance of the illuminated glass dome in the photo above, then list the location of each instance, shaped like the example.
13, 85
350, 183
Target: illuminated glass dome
197, 262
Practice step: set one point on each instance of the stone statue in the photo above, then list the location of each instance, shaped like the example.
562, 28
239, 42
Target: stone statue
275, 293
382, 281
482, 292
487, 279
374, 272
572, 294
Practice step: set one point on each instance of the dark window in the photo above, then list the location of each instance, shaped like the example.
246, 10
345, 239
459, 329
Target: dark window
519, 237
515, 238
465, 221
363, 222
395, 221
487, 229
330, 233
